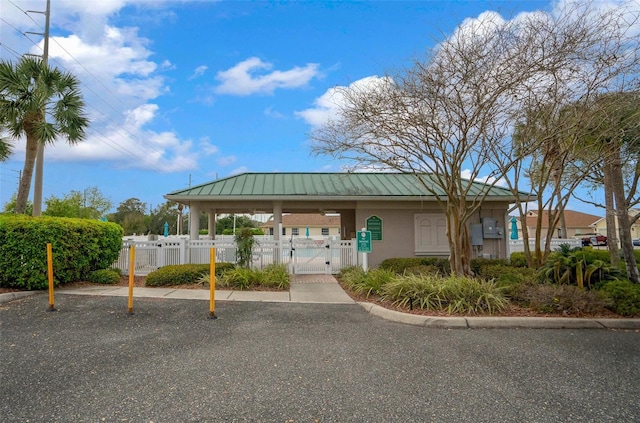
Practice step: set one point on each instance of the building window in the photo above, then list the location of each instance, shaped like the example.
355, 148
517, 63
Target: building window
325, 231
295, 231
271, 231
284, 231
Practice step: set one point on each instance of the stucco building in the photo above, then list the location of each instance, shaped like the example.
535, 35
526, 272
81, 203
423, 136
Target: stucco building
404, 219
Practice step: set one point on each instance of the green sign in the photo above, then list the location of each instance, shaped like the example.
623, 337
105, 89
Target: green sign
374, 225
364, 241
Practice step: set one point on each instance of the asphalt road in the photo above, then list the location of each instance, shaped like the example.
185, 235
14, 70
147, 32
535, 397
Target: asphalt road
285, 362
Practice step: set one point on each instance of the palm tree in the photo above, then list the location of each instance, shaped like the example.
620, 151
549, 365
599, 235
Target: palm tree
43, 104
5, 149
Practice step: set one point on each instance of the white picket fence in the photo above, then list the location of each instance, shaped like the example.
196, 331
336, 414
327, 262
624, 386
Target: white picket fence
301, 256
517, 245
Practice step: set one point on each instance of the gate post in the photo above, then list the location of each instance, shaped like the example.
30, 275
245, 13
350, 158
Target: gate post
183, 250
328, 255
160, 255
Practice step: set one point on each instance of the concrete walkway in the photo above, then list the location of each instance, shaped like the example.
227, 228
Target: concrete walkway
324, 289
303, 289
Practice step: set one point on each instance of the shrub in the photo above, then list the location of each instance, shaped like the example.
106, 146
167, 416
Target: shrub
577, 267
422, 270
239, 278
104, 276
244, 242
272, 276
478, 263
367, 283
351, 275
624, 296
453, 294
590, 255
400, 265
565, 299
276, 276
443, 265
79, 246
518, 259
508, 275
179, 274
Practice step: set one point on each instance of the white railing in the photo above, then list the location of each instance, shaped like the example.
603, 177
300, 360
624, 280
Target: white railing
517, 245
151, 255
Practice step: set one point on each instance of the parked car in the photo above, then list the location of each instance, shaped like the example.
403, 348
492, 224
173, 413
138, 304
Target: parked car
594, 239
636, 242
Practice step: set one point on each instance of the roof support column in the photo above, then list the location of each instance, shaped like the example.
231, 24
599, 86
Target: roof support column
194, 220
212, 224
277, 220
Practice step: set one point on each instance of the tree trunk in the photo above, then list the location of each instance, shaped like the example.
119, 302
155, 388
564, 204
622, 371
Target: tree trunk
624, 225
27, 171
612, 237
459, 242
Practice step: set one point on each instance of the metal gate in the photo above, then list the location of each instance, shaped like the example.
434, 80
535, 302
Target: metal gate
321, 256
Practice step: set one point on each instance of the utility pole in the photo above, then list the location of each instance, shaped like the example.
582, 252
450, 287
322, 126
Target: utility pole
37, 186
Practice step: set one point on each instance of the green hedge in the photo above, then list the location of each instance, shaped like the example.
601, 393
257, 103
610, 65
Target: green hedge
79, 247
181, 274
625, 297
104, 276
439, 265
400, 265
591, 254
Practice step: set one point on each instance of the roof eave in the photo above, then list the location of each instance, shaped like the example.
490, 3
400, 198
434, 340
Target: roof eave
408, 198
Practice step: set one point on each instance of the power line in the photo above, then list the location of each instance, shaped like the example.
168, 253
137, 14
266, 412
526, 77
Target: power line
15, 53
104, 138
24, 34
25, 12
84, 84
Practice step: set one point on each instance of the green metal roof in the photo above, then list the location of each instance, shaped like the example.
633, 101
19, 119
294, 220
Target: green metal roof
346, 185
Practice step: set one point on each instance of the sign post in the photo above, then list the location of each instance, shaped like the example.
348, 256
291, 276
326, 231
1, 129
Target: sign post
364, 246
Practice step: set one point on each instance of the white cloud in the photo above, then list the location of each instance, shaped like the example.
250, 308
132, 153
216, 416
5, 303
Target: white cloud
328, 105
239, 170
227, 161
130, 145
466, 174
205, 147
250, 77
199, 71
273, 113
119, 81
141, 115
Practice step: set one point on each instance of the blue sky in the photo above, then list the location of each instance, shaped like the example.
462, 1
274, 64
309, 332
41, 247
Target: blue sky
182, 92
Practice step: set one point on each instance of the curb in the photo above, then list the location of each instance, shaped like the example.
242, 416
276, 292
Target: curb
455, 322
10, 296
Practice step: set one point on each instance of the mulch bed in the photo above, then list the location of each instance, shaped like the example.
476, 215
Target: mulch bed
513, 311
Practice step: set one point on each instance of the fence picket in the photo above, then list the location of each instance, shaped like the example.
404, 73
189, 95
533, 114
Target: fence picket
151, 255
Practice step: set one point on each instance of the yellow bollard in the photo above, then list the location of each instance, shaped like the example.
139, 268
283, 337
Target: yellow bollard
132, 270
212, 284
50, 275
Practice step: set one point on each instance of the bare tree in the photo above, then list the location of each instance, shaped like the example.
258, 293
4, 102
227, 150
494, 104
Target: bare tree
545, 142
452, 111
557, 115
